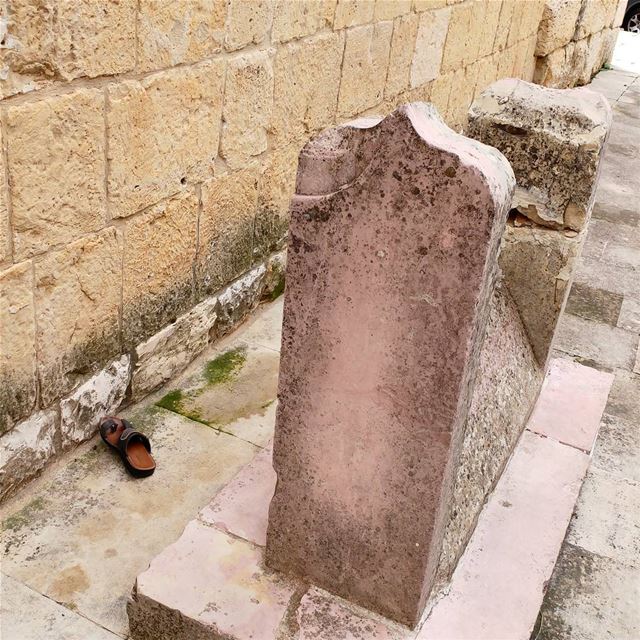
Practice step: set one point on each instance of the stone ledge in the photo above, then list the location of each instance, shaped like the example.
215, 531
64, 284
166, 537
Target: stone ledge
212, 582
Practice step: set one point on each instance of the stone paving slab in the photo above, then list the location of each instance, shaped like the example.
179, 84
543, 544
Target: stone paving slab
571, 403
601, 523
616, 450
498, 586
82, 532
593, 598
28, 615
597, 343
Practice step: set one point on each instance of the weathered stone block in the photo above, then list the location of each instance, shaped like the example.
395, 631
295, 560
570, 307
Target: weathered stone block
427, 5
17, 345
306, 83
157, 271
88, 26
5, 230
390, 9
429, 45
238, 299
504, 25
77, 299
364, 69
225, 230
489, 28
538, 265
349, 13
375, 246
248, 104
172, 33
403, 44
248, 22
558, 25
274, 277
293, 20
167, 353
595, 15
163, 131
26, 450
276, 187
56, 168
100, 396
455, 54
557, 69
564, 131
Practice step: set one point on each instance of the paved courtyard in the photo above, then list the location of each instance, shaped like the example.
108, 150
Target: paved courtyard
75, 540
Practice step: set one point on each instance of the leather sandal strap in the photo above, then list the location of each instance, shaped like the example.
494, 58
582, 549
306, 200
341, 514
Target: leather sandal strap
130, 435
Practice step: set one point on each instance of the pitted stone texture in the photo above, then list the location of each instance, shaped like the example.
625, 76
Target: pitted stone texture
350, 13
167, 353
162, 132
538, 265
367, 422
55, 149
238, 299
99, 396
558, 24
248, 22
77, 297
171, 33
248, 103
26, 450
298, 19
90, 26
307, 79
17, 345
49, 40
364, 68
509, 381
5, 231
564, 131
159, 253
225, 229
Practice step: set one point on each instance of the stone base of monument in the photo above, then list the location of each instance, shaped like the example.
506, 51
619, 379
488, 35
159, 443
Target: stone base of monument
212, 583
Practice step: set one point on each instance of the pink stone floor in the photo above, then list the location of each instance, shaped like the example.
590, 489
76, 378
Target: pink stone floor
214, 574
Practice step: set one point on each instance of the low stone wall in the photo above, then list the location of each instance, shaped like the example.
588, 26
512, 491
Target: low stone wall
575, 39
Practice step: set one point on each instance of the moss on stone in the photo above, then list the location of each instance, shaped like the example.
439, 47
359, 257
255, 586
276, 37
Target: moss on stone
24, 516
225, 367
174, 401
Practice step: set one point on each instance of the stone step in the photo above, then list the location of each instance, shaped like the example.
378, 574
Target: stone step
212, 582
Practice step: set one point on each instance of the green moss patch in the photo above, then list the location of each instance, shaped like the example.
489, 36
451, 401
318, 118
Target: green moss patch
226, 366
24, 516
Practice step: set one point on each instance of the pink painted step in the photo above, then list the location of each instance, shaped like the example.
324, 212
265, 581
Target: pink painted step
571, 403
498, 586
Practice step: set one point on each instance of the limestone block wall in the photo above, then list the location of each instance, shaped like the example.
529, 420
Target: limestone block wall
149, 151
576, 38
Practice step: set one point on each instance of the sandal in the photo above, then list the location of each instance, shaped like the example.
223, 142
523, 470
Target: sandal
134, 447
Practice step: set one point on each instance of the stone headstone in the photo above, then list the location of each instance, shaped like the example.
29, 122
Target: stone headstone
394, 234
554, 139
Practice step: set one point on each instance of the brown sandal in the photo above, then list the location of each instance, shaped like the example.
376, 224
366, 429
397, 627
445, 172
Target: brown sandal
134, 447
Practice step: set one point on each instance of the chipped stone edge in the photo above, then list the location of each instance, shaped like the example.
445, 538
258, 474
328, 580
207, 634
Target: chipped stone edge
38, 439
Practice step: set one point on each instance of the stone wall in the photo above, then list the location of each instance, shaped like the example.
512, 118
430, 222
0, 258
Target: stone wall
576, 38
148, 159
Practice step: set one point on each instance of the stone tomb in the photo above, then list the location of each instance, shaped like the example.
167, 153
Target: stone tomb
392, 266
